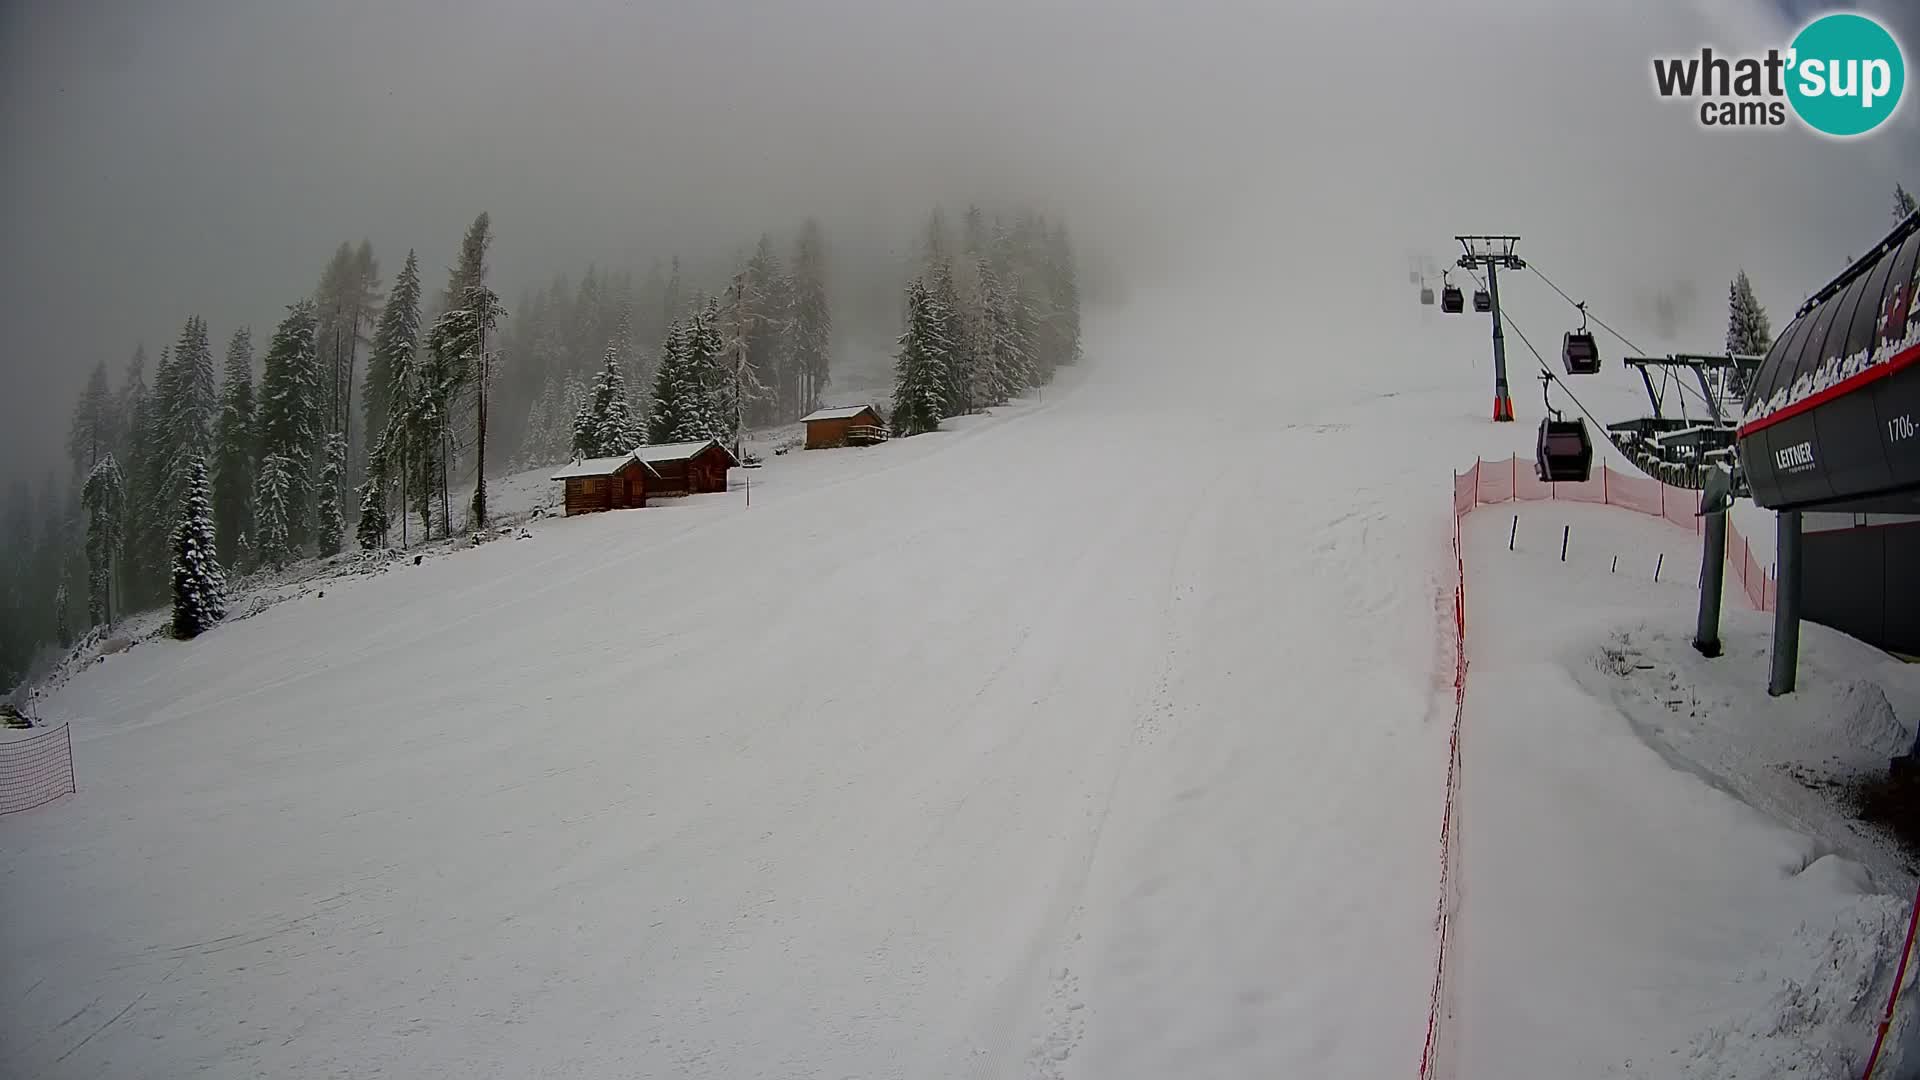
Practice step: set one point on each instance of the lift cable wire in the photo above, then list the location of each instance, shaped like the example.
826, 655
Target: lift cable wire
1665, 374
1548, 371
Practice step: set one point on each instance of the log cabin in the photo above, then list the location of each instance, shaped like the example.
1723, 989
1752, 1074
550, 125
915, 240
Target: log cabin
686, 468
607, 483
848, 425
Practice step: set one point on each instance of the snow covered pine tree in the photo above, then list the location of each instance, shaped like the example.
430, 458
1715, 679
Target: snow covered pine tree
199, 586
605, 424
1748, 331
920, 371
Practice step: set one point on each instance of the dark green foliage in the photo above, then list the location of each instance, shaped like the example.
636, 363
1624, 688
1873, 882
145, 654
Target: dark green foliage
291, 421
104, 499
920, 370
234, 442
92, 433
394, 340
272, 506
199, 585
1749, 332
330, 531
605, 424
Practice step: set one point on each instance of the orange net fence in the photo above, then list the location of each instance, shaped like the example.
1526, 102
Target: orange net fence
1511, 479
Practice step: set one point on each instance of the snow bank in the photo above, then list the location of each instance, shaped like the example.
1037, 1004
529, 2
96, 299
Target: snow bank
1659, 879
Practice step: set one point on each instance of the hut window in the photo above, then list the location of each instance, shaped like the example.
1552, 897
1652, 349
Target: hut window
592, 485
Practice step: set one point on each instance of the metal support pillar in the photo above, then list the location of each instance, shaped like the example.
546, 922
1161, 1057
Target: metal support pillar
1713, 574
1502, 400
1786, 613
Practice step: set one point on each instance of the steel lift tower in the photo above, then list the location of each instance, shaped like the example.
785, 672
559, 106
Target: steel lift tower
1490, 253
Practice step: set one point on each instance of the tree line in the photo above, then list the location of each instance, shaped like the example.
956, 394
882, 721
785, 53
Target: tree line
986, 321
368, 410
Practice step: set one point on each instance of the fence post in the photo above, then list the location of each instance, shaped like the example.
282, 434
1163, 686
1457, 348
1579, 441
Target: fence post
1566, 531
73, 775
1657, 564
1606, 499
1476, 480
1514, 533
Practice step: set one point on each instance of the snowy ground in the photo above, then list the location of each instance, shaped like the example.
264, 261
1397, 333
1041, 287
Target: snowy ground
1658, 872
1100, 737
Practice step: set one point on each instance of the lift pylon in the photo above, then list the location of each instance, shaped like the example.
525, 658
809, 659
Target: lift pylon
1490, 253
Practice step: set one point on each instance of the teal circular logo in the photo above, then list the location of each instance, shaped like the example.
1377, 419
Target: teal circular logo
1845, 74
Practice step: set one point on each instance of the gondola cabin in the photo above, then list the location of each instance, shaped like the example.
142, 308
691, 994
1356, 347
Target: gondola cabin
847, 425
1426, 295
1564, 453
1579, 353
605, 483
686, 468
1482, 301
1452, 300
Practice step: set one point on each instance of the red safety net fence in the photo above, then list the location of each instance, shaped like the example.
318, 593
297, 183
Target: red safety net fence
1508, 480
1447, 904
1512, 479
36, 770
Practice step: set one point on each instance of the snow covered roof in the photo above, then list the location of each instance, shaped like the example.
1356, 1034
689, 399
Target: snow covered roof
599, 466
839, 412
679, 451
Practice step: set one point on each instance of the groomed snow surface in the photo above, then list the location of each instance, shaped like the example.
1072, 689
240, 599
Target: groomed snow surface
1102, 736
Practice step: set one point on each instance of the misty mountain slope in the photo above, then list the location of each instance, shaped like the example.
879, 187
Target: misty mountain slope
1100, 737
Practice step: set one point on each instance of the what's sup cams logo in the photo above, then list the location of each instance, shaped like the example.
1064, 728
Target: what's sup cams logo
1842, 75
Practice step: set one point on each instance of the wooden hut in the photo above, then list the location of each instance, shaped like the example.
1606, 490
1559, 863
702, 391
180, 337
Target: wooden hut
847, 425
608, 483
686, 468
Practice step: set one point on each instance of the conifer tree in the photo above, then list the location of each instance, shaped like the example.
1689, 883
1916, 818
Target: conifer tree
234, 450
812, 334
1903, 203
735, 386
957, 370
372, 531
62, 627
471, 270
199, 585
103, 497
674, 386
461, 344
1065, 290
330, 532
195, 406
1748, 330
291, 419
149, 513
91, 433
605, 425
673, 299
920, 370
760, 314
272, 511
395, 338
134, 568
1006, 372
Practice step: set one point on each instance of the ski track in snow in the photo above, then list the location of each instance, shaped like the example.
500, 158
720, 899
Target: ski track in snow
1090, 739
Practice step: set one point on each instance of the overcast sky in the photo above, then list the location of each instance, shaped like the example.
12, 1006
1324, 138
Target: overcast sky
205, 156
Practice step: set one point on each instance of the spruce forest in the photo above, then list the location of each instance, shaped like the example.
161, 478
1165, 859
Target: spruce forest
375, 412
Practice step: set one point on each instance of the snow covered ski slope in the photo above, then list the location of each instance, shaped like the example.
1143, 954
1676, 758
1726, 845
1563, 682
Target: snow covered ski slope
1101, 737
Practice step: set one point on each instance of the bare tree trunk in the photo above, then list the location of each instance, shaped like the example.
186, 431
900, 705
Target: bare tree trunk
446, 463
480, 455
